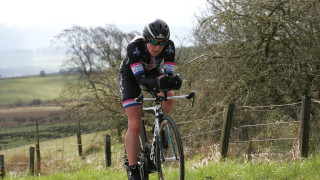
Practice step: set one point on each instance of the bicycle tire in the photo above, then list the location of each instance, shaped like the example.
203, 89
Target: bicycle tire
170, 158
144, 151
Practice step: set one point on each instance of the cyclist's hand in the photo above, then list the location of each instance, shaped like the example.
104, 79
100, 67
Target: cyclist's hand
164, 82
175, 82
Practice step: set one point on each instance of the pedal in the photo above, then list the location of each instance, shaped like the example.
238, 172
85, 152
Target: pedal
152, 168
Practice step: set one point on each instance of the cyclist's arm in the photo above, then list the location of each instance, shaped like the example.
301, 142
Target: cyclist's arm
169, 57
147, 82
137, 68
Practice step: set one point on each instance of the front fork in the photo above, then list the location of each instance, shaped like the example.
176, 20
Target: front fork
156, 132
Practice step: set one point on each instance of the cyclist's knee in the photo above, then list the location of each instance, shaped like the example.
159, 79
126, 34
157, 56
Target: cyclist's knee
171, 101
170, 93
134, 127
134, 118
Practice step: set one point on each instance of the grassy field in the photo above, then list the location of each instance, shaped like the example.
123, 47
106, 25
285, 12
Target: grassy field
22, 135
27, 89
307, 169
60, 161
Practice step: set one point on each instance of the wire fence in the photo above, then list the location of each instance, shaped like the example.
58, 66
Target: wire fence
315, 127
268, 132
257, 133
63, 156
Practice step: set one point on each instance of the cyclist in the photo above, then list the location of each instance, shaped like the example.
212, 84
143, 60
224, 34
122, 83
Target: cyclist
142, 69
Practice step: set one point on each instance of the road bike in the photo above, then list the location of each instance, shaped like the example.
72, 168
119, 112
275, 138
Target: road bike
165, 152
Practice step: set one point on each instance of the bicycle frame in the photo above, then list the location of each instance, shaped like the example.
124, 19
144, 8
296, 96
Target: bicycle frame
157, 112
149, 159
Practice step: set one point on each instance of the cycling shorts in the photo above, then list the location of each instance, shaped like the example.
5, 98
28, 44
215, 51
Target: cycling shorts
129, 87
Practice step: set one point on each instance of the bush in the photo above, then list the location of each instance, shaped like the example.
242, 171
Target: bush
92, 149
36, 102
19, 103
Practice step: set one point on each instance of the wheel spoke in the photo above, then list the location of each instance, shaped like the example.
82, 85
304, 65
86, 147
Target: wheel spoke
170, 139
170, 158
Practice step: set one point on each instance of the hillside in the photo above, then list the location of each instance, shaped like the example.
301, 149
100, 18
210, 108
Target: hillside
28, 89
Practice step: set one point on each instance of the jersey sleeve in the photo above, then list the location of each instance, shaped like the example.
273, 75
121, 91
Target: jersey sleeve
133, 60
169, 58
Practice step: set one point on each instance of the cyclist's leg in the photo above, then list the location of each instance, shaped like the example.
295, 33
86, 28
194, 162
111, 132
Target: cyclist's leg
129, 89
132, 141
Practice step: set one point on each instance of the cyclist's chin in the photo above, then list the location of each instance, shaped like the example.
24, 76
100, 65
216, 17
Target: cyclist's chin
153, 53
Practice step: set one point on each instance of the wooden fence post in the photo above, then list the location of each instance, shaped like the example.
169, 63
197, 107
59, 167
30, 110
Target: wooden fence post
225, 134
38, 158
79, 139
38, 148
108, 151
31, 161
305, 125
2, 172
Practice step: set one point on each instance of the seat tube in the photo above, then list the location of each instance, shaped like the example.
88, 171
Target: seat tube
143, 134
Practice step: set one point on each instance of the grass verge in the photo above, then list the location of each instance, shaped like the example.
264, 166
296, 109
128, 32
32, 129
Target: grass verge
60, 160
228, 169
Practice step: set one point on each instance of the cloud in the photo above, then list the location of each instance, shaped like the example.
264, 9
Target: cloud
25, 48
31, 38
17, 62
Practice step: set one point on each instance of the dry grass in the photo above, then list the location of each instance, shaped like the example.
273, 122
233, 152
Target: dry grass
9, 115
61, 155
17, 163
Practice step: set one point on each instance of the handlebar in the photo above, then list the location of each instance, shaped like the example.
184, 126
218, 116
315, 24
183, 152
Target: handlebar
190, 96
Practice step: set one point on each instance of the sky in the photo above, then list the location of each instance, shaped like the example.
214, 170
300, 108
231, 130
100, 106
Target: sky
28, 26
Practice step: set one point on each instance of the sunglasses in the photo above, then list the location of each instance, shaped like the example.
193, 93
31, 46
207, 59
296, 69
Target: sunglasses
155, 43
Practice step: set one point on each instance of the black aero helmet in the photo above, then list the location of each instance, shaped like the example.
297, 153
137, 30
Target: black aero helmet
158, 29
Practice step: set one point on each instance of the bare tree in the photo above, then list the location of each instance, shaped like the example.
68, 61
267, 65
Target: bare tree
96, 53
269, 49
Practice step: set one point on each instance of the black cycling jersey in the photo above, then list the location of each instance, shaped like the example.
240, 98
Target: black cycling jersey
140, 68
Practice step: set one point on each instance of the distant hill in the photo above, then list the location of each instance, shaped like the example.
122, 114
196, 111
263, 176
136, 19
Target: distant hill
30, 89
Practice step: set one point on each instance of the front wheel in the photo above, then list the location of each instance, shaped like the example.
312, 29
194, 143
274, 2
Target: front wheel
169, 151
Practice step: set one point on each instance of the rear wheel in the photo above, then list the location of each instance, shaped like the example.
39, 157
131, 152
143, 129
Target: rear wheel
169, 151
143, 166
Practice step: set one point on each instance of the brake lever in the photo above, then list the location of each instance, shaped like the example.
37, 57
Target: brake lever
191, 95
139, 98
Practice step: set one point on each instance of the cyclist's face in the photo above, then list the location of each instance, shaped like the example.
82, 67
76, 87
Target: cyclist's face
155, 50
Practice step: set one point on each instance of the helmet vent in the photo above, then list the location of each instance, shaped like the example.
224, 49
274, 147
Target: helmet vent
157, 29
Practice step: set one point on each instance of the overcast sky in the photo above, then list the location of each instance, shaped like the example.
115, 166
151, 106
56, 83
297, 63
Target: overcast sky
28, 26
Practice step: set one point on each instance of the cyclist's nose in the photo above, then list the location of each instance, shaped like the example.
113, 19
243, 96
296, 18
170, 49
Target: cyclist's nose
158, 46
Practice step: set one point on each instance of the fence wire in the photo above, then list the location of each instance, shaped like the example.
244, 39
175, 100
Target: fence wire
201, 136
271, 131
259, 133
314, 140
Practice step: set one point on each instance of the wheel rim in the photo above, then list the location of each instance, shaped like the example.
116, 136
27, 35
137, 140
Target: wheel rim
173, 164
